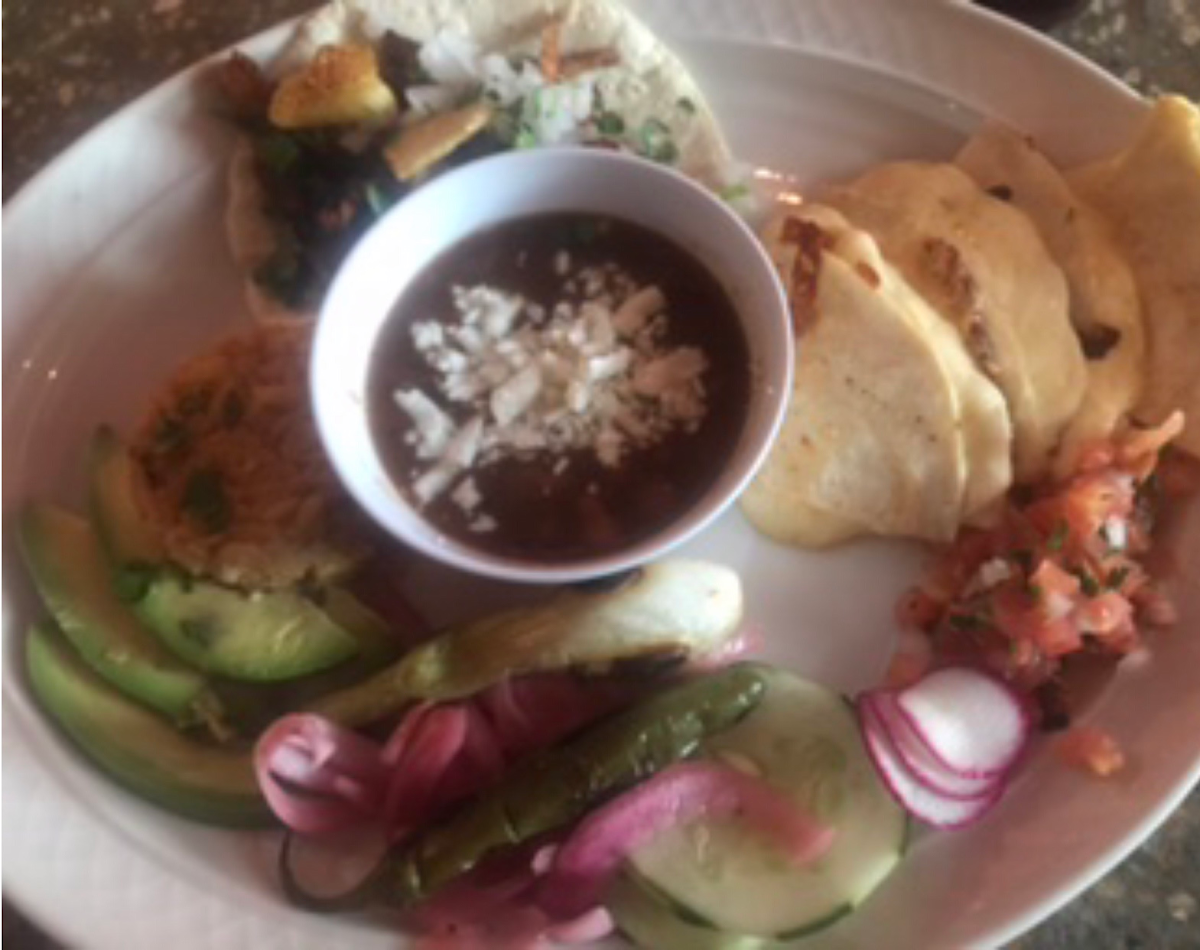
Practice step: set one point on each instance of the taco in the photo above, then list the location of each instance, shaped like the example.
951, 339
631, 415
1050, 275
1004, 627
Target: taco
372, 98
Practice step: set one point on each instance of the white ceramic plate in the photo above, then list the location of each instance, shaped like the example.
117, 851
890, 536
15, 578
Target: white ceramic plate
116, 268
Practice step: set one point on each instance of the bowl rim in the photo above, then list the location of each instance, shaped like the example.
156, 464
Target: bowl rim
772, 388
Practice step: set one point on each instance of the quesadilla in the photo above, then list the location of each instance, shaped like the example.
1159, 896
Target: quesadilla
1104, 305
1150, 194
983, 267
892, 429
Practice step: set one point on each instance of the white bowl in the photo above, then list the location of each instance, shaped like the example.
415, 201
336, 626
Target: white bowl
515, 185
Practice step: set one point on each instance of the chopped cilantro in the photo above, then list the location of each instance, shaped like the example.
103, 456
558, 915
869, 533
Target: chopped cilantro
1088, 584
1058, 537
966, 622
204, 499
733, 192
526, 138
609, 123
654, 142
1035, 591
1116, 577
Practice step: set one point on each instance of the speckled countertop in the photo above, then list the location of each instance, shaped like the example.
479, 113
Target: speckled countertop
67, 64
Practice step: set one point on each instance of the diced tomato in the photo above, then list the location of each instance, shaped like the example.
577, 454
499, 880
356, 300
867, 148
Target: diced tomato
1104, 613
1052, 582
1092, 750
918, 610
1071, 564
1023, 617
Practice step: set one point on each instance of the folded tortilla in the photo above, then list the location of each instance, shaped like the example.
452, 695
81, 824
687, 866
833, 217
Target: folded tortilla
1104, 305
1150, 194
984, 268
891, 430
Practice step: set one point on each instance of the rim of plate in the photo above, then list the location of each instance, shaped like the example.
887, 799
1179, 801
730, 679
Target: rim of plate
863, 33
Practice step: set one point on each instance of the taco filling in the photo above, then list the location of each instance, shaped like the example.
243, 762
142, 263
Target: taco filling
335, 139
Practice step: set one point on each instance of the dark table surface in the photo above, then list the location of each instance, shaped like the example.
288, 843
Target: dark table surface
68, 64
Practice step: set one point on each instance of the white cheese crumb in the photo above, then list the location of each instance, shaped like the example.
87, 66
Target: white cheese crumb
483, 524
556, 376
433, 427
637, 309
466, 495
427, 335
515, 395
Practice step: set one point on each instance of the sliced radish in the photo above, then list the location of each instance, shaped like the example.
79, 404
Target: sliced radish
925, 768
917, 799
971, 723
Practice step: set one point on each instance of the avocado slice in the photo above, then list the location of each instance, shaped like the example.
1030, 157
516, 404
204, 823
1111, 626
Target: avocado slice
69, 569
132, 544
254, 706
139, 749
264, 636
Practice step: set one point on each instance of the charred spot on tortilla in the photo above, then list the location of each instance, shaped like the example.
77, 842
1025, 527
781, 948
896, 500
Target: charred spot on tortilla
959, 295
811, 241
1098, 341
1000, 192
868, 274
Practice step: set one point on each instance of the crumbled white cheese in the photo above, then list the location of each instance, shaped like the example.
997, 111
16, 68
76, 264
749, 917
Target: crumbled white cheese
432, 426
466, 495
552, 376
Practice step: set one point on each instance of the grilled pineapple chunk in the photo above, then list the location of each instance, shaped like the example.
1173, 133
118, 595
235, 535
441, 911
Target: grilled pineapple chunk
417, 147
340, 86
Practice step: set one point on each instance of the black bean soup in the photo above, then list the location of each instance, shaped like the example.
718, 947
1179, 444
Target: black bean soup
561, 502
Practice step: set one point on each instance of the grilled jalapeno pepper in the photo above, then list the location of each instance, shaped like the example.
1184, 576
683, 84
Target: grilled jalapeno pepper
677, 609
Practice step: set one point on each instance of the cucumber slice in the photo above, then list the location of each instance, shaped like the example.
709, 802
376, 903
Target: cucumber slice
804, 740
654, 925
